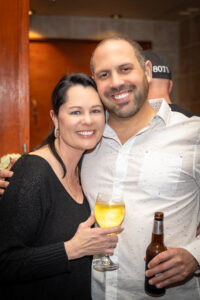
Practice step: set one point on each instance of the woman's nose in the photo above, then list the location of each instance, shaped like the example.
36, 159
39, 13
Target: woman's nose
87, 118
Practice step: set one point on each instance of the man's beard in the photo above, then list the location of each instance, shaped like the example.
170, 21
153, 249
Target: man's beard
139, 97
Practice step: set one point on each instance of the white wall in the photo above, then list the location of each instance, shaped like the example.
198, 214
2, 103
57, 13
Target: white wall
163, 35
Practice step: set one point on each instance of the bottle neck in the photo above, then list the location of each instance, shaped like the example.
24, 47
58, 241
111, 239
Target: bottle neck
157, 234
157, 238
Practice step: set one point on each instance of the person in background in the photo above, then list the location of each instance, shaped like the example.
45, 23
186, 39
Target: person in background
47, 239
161, 84
150, 155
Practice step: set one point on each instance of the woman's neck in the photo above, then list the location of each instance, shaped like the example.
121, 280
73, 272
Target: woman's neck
69, 156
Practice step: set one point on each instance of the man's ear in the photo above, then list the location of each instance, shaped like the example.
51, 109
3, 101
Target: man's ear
54, 118
148, 70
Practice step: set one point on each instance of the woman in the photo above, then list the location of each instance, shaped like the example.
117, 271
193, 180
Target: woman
45, 223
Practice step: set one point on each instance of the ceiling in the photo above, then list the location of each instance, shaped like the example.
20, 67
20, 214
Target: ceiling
172, 10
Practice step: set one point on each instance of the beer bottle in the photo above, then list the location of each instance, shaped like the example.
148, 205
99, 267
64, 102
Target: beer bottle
155, 247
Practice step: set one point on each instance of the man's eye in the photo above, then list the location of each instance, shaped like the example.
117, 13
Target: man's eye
103, 75
76, 112
127, 69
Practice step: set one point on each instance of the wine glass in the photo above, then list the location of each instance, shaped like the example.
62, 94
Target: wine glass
109, 211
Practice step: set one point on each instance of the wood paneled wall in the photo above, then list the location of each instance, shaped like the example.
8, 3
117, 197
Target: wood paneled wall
49, 61
14, 82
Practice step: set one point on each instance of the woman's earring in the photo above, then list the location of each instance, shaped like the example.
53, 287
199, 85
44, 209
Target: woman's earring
56, 132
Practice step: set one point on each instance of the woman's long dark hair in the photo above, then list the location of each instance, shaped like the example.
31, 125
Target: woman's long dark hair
59, 97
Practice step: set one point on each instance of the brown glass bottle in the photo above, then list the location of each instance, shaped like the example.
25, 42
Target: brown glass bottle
155, 247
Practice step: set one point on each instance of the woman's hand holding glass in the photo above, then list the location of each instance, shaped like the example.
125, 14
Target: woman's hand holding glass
92, 241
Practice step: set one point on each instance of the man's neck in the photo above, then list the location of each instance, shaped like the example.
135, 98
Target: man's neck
125, 128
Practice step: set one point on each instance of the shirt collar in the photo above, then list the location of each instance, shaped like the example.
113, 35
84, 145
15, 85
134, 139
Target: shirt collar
163, 110
109, 132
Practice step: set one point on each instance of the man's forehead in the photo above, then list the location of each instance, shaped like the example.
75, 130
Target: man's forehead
109, 49
113, 45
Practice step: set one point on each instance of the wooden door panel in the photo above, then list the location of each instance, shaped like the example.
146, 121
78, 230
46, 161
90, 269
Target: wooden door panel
14, 89
49, 61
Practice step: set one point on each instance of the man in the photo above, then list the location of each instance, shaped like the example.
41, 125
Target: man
150, 156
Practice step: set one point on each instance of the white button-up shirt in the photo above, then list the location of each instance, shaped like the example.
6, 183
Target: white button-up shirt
158, 169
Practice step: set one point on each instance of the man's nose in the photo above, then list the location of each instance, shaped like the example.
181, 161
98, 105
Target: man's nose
116, 80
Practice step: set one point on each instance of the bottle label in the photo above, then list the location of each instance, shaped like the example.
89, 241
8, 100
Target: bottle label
158, 227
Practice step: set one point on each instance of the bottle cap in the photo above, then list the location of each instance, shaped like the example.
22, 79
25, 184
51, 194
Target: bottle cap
159, 215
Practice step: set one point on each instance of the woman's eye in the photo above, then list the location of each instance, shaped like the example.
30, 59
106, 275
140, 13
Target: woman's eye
96, 111
76, 112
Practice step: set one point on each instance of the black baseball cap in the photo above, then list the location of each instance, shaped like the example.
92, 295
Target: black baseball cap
160, 68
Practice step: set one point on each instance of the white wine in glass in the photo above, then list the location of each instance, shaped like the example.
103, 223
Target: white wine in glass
109, 211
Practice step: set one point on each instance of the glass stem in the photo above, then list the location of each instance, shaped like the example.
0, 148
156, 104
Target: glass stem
106, 260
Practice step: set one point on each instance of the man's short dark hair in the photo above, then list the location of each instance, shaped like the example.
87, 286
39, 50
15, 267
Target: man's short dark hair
136, 47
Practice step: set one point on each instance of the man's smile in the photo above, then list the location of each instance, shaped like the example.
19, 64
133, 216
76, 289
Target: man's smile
121, 97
